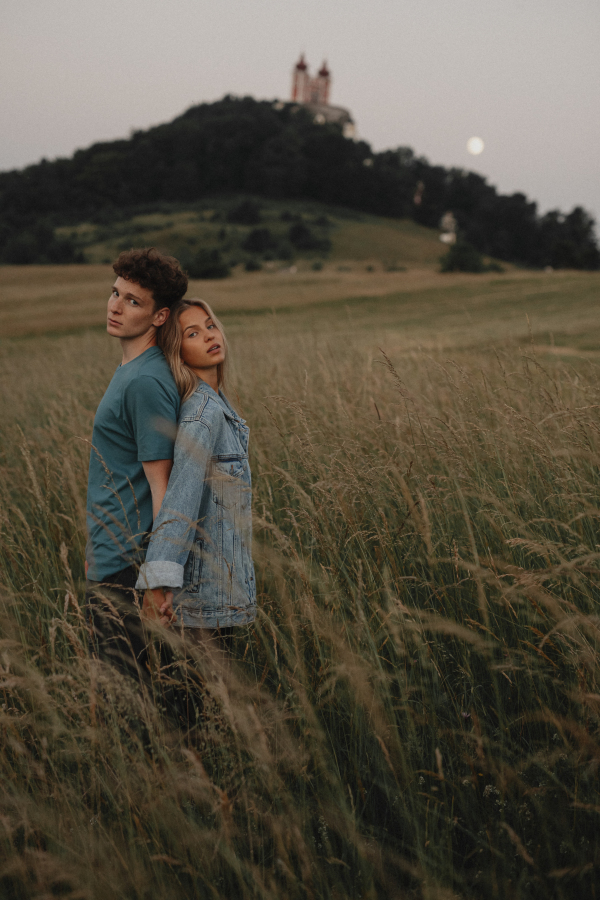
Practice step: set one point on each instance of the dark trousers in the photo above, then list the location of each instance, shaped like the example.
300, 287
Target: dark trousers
117, 631
118, 637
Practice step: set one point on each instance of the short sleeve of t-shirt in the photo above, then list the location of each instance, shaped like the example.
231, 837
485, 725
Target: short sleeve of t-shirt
151, 414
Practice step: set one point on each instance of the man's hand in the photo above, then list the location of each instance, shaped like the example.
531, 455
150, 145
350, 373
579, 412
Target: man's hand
158, 605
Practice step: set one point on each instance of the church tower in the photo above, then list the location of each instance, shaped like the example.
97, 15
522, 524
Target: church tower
323, 80
300, 79
313, 93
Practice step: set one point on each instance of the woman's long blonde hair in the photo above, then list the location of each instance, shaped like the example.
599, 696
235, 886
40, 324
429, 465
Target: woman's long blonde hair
169, 341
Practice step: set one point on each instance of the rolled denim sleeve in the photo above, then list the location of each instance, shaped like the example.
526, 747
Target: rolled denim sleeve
160, 573
176, 525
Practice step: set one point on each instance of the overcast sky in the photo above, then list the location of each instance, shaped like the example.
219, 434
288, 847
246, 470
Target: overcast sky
524, 75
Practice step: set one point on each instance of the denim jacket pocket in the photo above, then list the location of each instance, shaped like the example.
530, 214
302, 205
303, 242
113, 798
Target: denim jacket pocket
227, 479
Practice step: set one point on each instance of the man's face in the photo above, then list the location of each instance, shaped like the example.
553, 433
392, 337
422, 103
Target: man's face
132, 311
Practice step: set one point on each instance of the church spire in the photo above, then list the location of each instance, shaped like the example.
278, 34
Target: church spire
324, 82
300, 81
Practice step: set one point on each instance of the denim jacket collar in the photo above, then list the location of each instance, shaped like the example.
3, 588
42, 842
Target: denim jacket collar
222, 400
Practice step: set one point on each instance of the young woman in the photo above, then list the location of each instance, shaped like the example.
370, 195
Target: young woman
200, 550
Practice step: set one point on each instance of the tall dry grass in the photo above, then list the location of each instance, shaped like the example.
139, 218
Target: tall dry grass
415, 713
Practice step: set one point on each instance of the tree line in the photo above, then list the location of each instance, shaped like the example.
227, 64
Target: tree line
244, 146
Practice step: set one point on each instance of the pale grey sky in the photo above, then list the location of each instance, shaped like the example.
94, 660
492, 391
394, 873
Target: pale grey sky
524, 75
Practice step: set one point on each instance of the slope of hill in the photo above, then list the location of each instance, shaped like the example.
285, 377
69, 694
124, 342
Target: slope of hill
244, 146
277, 232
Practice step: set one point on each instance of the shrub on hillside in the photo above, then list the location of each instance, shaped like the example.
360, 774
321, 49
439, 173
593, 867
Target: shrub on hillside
567, 241
206, 264
21, 249
39, 245
259, 240
245, 213
303, 238
284, 250
462, 257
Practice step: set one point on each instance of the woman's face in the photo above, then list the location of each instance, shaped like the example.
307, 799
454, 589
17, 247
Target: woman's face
202, 345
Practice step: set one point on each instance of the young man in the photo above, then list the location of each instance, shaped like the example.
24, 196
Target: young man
132, 450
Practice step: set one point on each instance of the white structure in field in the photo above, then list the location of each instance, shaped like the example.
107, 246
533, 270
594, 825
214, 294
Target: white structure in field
448, 227
314, 94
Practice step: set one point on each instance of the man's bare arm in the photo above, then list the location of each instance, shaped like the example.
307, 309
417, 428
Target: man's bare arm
157, 472
156, 604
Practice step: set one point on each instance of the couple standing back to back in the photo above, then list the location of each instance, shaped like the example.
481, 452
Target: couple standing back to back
169, 488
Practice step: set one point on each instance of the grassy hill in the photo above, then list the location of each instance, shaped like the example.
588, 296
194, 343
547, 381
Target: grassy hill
181, 232
277, 152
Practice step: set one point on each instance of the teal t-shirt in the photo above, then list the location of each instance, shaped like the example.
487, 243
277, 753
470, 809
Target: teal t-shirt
135, 422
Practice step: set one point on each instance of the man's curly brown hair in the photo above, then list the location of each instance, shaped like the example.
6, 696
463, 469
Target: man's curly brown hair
153, 270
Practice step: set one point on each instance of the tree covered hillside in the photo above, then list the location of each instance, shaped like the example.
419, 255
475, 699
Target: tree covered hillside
238, 146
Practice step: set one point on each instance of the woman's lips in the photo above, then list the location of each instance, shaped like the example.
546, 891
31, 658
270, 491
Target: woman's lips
214, 347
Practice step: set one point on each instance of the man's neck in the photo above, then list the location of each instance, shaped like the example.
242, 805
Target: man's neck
134, 347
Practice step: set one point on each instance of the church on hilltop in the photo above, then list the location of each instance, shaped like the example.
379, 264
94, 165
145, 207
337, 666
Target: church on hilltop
313, 93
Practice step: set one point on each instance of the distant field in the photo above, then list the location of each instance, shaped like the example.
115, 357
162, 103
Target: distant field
415, 712
424, 453
421, 307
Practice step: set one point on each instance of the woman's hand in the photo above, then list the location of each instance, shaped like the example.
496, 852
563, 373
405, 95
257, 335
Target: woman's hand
158, 605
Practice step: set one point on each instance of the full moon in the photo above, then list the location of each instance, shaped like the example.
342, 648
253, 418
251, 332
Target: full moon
475, 146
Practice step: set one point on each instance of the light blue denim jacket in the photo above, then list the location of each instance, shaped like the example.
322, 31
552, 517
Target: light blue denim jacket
202, 537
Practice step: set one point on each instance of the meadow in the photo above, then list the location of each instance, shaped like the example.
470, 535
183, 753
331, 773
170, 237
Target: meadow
415, 713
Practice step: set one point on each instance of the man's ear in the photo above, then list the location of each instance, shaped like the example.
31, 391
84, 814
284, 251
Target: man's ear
161, 316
